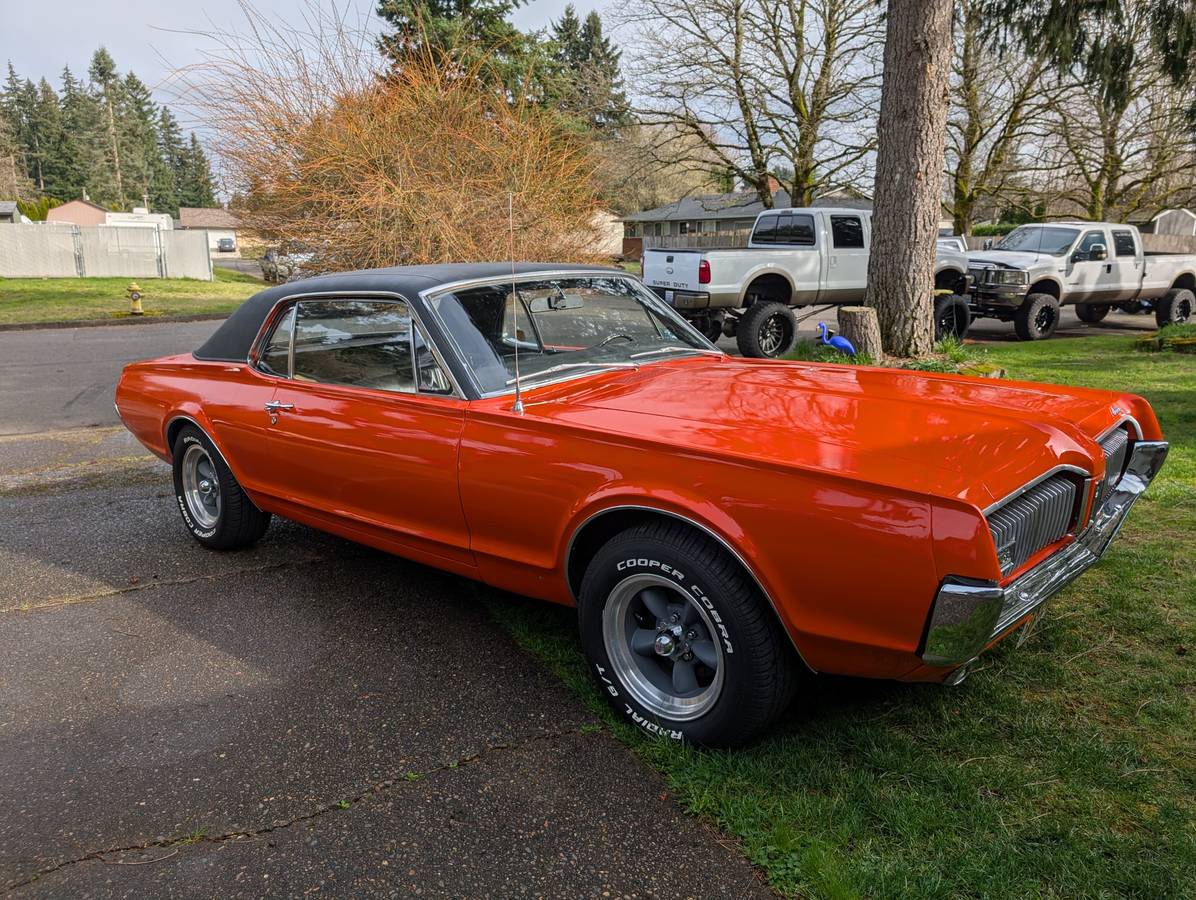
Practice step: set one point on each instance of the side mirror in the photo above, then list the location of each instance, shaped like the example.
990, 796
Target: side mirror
1098, 252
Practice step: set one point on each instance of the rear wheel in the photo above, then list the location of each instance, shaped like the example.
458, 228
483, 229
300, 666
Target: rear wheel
952, 317
766, 329
1037, 317
1175, 307
215, 509
680, 639
1092, 313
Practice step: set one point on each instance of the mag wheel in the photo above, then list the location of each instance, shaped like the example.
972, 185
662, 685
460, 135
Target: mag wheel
215, 509
767, 329
1037, 317
952, 317
1175, 307
680, 639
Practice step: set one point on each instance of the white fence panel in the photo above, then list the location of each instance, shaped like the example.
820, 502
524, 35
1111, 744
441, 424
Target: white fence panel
37, 251
111, 251
67, 251
186, 255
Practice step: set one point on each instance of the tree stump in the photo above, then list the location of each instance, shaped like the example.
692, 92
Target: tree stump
860, 326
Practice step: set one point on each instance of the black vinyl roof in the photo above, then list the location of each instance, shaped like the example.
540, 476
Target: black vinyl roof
232, 341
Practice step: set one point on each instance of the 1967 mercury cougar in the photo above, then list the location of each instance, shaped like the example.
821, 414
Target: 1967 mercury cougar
559, 431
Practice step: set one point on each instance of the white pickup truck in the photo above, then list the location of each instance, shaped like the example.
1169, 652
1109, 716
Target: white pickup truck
795, 257
1037, 268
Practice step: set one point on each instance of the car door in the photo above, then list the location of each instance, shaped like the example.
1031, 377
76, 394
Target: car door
366, 425
1092, 280
1127, 264
847, 259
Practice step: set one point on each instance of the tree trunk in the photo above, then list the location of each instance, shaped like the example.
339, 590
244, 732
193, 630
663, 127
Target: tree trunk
859, 325
911, 135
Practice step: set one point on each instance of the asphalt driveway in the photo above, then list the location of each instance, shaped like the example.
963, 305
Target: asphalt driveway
306, 715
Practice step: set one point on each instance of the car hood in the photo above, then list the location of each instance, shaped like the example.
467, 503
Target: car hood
971, 439
1013, 259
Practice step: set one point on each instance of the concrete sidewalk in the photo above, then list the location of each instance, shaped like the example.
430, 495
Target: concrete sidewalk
305, 715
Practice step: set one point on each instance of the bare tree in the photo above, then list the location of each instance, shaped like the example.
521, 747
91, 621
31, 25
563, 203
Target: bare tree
998, 105
909, 163
1124, 151
365, 170
764, 87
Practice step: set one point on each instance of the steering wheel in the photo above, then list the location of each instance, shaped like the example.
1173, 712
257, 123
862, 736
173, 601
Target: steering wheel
614, 337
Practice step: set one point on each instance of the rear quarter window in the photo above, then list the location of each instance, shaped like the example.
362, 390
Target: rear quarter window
1123, 243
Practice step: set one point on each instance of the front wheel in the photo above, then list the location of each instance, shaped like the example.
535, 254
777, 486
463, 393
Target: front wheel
952, 317
680, 639
215, 509
1175, 307
767, 329
1037, 317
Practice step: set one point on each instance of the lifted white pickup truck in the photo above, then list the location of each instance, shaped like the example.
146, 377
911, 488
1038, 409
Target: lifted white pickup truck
1036, 268
795, 257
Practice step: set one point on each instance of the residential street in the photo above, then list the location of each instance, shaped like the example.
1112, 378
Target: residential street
305, 715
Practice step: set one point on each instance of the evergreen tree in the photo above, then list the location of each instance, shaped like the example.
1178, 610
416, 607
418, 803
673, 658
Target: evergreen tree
83, 144
142, 162
472, 33
14, 182
196, 187
589, 87
46, 127
106, 83
172, 152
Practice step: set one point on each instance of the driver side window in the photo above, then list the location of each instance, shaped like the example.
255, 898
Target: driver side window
1090, 240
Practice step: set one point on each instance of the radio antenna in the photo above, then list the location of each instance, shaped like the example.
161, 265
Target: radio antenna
518, 407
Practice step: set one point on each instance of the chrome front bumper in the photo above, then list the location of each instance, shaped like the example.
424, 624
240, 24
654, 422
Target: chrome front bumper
969, 613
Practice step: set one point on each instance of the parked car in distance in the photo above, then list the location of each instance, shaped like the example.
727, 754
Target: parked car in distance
794, 258
1097, 266
226, 245
719, 522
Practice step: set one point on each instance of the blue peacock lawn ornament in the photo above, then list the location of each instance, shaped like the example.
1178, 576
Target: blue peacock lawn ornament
840, 343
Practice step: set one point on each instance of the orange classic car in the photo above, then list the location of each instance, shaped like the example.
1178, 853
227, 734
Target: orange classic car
719, 523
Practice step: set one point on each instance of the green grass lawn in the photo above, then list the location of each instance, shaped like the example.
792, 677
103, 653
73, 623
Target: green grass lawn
30, 300
1065, 768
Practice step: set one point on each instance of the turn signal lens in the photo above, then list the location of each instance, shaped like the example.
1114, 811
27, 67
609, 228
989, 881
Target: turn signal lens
704, 272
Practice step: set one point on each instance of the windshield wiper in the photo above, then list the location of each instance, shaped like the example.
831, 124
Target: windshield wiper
672, 349
573, 365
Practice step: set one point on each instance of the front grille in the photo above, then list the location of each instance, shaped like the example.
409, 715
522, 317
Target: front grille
1116, 447
1032, 520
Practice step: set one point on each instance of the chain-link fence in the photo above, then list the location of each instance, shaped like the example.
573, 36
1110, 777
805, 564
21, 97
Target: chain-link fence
68, 251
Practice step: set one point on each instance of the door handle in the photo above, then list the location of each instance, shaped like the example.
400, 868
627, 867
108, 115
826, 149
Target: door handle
275, 405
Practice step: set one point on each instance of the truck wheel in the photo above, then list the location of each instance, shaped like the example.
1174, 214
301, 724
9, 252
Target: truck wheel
1037, 317
681, 641
1175, 307
1092, 313
951, 317
766, 330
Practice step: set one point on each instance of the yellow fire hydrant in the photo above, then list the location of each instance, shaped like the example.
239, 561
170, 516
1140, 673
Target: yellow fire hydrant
134, 293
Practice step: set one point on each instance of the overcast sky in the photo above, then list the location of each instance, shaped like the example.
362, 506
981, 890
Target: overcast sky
149, 36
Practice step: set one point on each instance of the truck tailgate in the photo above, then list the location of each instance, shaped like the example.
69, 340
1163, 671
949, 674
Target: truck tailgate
673, 269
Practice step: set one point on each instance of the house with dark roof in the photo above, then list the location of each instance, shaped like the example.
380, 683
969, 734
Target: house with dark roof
218, 223
713, 215
9, 212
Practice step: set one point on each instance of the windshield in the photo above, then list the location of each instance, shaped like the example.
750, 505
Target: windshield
562, 326
1039, 239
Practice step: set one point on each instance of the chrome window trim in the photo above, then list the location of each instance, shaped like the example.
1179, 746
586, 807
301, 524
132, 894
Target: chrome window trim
993, 507
723, 542
269, 321
428, 295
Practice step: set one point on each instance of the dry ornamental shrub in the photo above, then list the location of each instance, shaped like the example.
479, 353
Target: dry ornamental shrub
415, 167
